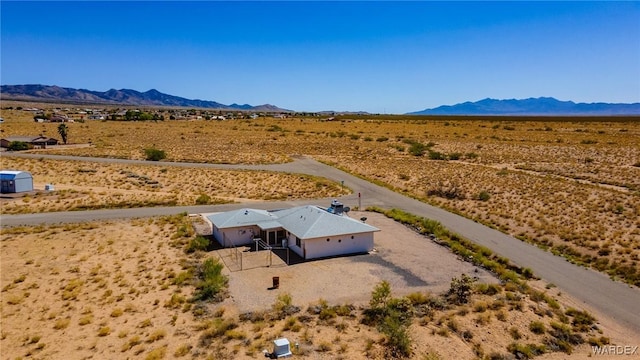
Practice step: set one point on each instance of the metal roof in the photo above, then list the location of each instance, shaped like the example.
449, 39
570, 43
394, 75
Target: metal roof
308, 222
238, 218
305, 222
13, 174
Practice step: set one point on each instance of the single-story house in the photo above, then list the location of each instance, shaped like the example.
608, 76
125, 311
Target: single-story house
40, 142
310, 231
13, 181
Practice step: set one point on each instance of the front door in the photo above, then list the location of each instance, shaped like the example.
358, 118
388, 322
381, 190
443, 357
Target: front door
272, 238
5, 186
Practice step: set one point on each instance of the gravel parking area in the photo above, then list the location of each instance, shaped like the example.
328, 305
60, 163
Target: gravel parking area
408, 261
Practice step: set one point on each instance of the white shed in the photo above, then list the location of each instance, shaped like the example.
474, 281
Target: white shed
281, 348
13, 181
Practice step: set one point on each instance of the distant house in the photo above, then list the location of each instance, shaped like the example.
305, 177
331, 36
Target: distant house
12, 181
310, 231
39, 142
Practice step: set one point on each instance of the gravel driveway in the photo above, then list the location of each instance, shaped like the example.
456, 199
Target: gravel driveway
408, 261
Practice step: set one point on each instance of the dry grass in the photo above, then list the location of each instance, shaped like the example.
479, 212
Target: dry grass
85, 185
571, 185
121, 273
568, 184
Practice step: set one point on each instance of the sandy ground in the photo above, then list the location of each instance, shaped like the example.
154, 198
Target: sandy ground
408, 261
105, 290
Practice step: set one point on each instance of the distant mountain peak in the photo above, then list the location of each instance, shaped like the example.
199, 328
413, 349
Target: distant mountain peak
531, 106
152, 97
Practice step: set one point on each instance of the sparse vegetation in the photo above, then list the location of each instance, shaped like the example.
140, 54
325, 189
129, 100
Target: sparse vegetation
212, 283
152, 280
153, 154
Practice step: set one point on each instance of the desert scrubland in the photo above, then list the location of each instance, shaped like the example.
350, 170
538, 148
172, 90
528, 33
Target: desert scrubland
136, 288
82, 185
133, 289
568, 184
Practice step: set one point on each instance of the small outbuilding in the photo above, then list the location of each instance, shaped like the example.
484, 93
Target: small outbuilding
281, 348
13, 181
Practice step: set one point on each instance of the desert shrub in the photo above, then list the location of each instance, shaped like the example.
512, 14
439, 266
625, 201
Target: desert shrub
235, 335
582, 320
104, 331
214, 329
515, 333
563, 338
392, 317
19, 146
157, 354
600, 342
182, 350
183, 277
153, 154
284, 306
435, 155
527, 273
417, 149
537, 327
488, 289
199, 243
528, 351
418, 298
480, 306
501, 315
212, 282
460, 289
61, 324
446, 190
484, 196
398, 338
203, 199
455, 156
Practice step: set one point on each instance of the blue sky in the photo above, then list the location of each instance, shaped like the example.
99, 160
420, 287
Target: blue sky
346, 56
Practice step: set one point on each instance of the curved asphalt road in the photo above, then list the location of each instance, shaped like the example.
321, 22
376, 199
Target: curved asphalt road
594, 289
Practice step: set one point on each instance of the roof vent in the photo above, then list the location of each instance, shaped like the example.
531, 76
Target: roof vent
336, 207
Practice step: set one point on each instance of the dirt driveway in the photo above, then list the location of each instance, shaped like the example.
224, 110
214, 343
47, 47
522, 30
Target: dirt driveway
408, 261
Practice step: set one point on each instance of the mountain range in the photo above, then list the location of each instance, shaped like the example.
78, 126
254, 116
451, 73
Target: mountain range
117, 97
532, 106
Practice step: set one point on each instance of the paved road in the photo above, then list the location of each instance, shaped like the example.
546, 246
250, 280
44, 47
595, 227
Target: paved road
594, 289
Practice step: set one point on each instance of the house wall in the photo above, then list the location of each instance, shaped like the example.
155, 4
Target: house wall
335, 246
235, 236
23, 182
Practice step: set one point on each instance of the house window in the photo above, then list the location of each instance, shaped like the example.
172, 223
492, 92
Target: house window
352, 237
339, 240
328, 240
298, 242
